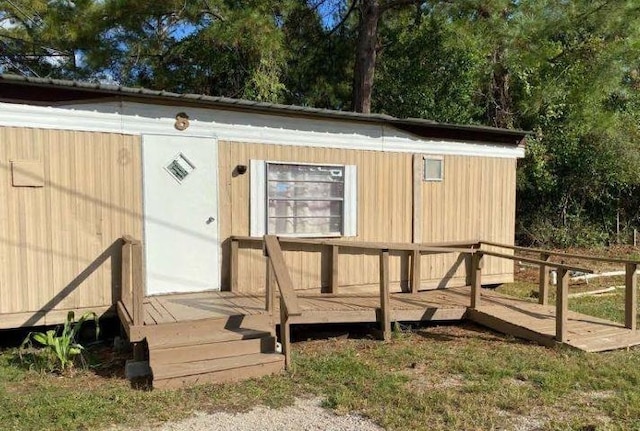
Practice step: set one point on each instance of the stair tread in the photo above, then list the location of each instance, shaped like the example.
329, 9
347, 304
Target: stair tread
167, 371
215, 336
204, 351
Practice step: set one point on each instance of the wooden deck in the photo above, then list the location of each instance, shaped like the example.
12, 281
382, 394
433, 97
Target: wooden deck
439, 305
523, 319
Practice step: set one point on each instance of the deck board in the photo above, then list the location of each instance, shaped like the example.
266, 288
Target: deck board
525, 319
584, 332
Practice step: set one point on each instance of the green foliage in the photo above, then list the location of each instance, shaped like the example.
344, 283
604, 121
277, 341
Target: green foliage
62, 344
567, 71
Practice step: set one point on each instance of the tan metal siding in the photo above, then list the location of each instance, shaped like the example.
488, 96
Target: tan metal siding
55, 241
476, 200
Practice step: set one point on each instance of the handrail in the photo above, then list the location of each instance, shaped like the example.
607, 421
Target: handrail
282, 276
132, 283
448, 246
562, 254
562, 286
277, 269
537, 262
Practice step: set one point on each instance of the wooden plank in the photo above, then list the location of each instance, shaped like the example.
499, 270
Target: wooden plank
218, 371
476, 279
631, 296
163, 310
538, 262
506, 327
234, 265
282, 275
567, 255
385, 300
562, 307
203, 351
125, 287
152, 315
452, 246
137, 283
543, 280
335, 279
270, 290
416, 218
416, 274
285, 334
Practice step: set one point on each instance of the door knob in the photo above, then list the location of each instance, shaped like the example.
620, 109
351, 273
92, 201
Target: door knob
210, 220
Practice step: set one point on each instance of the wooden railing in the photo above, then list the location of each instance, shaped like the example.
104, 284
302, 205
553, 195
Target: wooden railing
276, 269
414, 251
132, 284
562, 286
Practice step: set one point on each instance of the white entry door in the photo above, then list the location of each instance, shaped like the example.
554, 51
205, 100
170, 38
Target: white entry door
180, 214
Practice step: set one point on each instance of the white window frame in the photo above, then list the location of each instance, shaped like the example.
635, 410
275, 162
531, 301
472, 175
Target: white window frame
258, 199
426, 159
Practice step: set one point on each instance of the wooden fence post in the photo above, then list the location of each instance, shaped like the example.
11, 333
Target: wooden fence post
234, 265
385, 299
562, 306
543, 290
125, 286
285, 334
137, 282
415, 271
270, 291
333, 283
476, 278
630, 296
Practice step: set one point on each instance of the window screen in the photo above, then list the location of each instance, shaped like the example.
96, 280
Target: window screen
305, 199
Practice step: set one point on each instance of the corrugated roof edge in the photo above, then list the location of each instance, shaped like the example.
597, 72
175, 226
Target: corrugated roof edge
258, 106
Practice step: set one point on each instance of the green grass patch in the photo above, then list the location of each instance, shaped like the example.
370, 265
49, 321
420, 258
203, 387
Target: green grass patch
607, 306
433, 378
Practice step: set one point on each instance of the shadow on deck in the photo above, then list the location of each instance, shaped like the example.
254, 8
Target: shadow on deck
502, 313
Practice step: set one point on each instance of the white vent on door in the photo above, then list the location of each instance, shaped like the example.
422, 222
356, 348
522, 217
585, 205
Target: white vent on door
180, 167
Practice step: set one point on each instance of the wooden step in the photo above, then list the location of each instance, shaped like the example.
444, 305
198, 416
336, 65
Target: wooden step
210, 350
217, 370
203, 327
211, 336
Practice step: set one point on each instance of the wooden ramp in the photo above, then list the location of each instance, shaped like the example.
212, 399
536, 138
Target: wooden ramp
537, 322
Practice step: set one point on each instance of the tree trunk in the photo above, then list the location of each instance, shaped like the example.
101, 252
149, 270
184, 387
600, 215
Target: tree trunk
499, 107
366, 55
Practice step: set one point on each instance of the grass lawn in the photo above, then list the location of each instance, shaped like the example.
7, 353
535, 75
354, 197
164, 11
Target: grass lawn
431, 378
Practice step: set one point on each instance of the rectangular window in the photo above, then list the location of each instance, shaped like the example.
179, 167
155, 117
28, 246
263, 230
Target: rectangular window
433, 168
296, 199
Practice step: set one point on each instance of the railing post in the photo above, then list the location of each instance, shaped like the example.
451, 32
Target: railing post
125, 287
234, 265
333, 283
137, 284
476, 279
562, 306
285, 334
415, 271
270, 291
543, 290
385, 299
630, 296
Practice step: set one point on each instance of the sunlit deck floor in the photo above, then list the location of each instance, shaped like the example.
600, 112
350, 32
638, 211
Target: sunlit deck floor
523, 319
